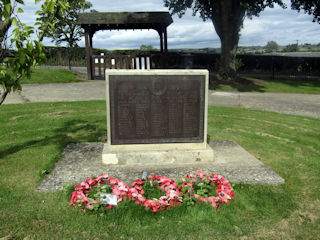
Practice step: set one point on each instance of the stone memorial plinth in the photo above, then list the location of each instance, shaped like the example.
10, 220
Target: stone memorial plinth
157, 117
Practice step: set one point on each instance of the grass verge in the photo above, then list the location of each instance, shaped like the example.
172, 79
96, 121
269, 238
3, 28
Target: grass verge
42, 75
33, 136
306, 86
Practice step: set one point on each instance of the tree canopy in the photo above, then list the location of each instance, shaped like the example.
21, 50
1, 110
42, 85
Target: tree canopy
311, 7
66, 27
20, 52
271, 46
227, 17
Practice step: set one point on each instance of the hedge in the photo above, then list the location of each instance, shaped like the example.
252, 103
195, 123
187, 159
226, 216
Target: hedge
248, 63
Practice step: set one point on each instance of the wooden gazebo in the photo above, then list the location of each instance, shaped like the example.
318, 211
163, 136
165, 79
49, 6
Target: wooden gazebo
95, 21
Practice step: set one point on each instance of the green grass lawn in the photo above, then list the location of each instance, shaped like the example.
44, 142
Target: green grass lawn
33, 136
43, 75
308, 86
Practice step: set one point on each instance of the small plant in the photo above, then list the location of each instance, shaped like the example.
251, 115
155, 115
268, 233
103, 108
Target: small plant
151, 190
156, 193
205, 187
91, 193
187, 192
96, 191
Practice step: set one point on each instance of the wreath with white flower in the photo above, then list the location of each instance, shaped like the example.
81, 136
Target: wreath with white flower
170, 197
105, 191
206, 187
92, 193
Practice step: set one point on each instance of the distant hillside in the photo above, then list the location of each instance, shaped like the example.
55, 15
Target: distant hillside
308, 48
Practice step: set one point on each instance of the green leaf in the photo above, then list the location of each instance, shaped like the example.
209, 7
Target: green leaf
22, 57
51, 6
200, 192
63, 5
184, 189
20, 10
8, 8
15, 22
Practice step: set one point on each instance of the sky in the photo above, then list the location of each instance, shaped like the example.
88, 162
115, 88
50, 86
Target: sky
285, 26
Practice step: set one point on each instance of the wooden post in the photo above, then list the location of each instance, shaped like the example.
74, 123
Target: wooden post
161, 40
88, 54
165, 40
99, 65
93, 69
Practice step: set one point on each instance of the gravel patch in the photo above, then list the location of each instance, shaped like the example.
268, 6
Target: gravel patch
83, 160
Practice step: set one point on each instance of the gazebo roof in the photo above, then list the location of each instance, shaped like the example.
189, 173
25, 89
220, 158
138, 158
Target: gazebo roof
124, 20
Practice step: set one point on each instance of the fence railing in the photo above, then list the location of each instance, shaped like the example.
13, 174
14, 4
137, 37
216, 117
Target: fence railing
101, 62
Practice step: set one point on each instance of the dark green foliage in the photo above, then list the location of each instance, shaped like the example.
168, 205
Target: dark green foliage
291, 48
57, 55
207, 9
204, 188
271, 46
66, 28
227, 17
311, 7
95, 191
28, 51
151, 190
174, 60
147, 48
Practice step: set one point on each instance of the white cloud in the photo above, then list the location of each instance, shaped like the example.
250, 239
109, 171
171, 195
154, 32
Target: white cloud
283, 26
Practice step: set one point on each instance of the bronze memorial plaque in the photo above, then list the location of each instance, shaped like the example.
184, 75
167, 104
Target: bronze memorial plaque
157, 108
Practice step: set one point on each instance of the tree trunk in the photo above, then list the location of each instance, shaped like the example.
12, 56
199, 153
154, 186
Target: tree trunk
227, 19
69, 57
3, 96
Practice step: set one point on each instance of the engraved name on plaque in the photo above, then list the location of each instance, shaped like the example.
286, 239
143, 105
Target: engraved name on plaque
157, 108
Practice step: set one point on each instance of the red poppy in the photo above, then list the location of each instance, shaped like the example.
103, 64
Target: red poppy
80, 195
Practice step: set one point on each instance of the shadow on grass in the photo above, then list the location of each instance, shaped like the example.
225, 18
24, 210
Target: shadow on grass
260, 83
70, 132
296, 81
241, 85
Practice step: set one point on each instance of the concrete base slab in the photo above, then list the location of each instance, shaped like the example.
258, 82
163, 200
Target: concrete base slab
83, 160
161, 157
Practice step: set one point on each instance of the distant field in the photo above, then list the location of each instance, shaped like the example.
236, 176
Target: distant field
53, 76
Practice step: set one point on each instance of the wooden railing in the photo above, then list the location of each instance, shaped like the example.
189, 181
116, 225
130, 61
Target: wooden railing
101, 62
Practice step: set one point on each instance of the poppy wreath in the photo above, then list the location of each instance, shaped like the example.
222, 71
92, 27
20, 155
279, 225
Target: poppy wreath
80, 195
170, 188
224, 189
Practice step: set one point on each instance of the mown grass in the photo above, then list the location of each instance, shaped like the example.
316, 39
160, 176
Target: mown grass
43, 75
33, 136
306, 86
